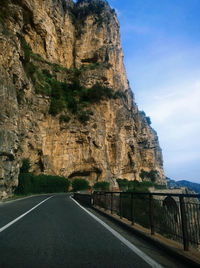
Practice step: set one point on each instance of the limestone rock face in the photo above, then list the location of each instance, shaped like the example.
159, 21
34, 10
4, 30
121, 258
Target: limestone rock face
63, 40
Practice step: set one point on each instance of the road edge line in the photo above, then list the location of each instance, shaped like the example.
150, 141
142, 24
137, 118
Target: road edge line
21, 216
136, 250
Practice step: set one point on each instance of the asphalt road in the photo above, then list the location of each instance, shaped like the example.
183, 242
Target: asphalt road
58, 233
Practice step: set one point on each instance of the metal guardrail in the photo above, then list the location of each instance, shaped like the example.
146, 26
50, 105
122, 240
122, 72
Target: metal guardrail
175, 216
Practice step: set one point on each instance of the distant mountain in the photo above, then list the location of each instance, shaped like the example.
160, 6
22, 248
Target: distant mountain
183, 183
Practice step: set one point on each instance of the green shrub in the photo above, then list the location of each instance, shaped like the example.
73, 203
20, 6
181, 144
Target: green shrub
102, 186
80, 184
37, 57
47, 74
50, 184
148, 120
29, 183
56, 106
71, 95
25, 165
64, 118
93, 7
27, 50
120, 94
72, 104
136, 186
143, 113
123, 184
83, 116
4, 3
5, 13
56, 68
151, 175
97, 93
25, 183
132, 185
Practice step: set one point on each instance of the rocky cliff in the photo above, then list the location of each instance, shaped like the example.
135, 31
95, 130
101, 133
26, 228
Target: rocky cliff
65, 100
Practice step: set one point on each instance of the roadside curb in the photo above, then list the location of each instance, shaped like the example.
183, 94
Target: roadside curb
186, 257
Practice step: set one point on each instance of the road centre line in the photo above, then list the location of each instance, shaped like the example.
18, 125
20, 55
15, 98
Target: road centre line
18, 218
136, 250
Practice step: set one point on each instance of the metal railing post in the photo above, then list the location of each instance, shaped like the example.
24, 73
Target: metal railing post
120, 205
105, 199
151, 217
93, 198
132, 212
184, 224
111, 205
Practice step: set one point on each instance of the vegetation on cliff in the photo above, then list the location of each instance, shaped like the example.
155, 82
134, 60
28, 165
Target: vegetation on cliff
84, 37
69, 95
149, 175
4, 14
84, 8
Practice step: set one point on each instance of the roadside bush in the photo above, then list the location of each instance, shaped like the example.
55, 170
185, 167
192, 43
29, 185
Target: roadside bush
123, 184
136, 186
25, 183
151, 175
102, 186
79, 184
30, 183
50, 184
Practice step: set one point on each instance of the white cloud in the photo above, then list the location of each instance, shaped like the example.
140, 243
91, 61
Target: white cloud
180, 102
175, 114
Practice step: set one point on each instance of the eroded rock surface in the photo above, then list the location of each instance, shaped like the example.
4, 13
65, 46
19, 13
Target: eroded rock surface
68, 40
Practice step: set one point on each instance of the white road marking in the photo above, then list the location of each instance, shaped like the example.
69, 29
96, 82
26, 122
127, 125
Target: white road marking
136, 250
18, 218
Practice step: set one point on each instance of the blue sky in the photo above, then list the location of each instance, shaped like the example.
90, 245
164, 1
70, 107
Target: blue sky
161, 44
